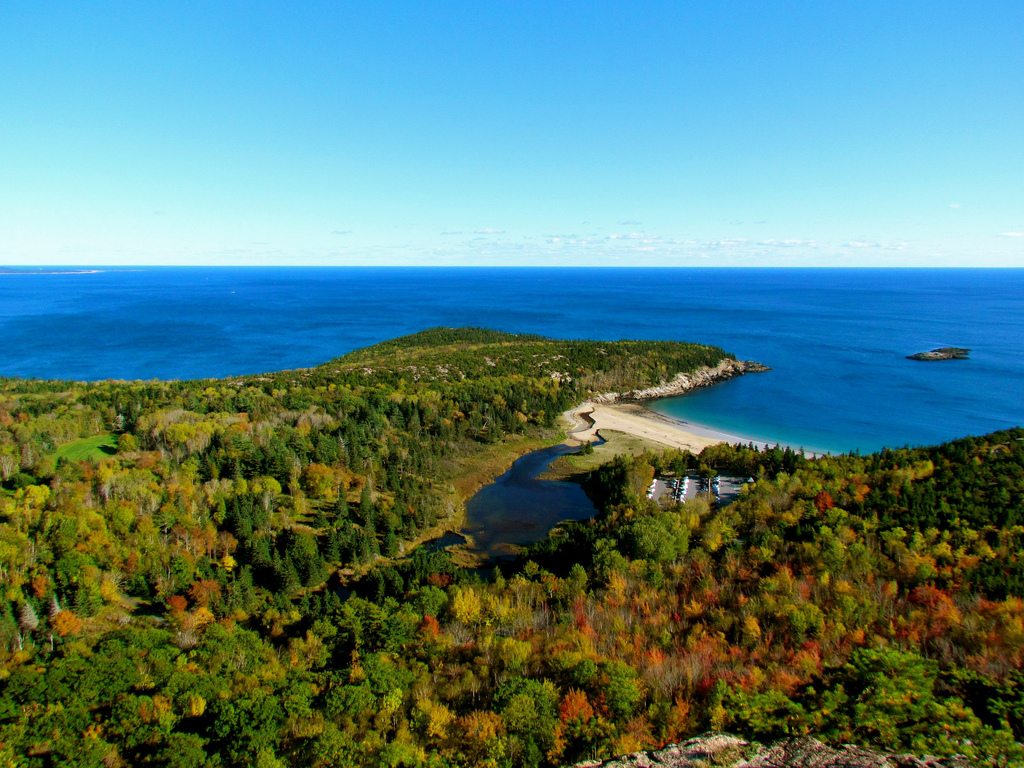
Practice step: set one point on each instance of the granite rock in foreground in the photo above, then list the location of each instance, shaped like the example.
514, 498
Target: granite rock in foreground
723, 750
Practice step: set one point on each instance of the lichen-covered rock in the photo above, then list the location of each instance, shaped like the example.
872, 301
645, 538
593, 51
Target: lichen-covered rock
722, 750
702, 751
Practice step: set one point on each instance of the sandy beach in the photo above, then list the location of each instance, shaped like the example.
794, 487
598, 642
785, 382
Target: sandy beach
588, 418
621, 412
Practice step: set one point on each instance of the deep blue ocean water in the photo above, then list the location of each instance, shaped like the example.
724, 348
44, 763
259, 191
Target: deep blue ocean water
835, 338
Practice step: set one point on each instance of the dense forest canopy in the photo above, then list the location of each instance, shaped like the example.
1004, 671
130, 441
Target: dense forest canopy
170, 552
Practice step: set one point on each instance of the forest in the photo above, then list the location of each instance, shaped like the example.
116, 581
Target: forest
172, 556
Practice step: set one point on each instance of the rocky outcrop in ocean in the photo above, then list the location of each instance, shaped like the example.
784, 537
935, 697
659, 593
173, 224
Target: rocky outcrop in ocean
723, 750
943, 353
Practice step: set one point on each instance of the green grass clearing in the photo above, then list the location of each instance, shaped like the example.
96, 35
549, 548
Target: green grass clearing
615, 444
88, 448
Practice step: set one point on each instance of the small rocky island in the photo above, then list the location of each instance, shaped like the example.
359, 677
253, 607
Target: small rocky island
944, 353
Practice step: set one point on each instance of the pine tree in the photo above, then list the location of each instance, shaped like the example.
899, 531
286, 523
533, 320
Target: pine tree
366, 510
341, 510
320, 519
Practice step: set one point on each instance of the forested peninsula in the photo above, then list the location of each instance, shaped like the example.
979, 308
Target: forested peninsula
170, 555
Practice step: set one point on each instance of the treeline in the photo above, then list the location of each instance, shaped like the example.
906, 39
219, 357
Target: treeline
874, 599
176, 605
443, 354
230, 503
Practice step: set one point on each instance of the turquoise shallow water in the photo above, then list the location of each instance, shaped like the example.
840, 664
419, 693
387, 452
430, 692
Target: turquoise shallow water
836, 339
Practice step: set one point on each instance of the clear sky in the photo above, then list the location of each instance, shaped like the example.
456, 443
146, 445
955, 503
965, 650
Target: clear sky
678, 133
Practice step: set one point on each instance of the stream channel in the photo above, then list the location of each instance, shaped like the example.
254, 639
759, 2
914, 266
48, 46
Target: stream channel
519, 508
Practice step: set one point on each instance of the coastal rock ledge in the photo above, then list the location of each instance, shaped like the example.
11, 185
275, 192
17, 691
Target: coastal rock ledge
723, 750
684, 382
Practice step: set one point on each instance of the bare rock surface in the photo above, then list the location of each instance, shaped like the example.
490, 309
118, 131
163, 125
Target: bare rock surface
684, 382
722, 750
943, 353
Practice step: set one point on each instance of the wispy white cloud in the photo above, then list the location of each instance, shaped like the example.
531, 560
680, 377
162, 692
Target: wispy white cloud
726, 243
577, 246
790, 243
637, 237
570, 239
955, 205
888, 245
452, 232
630, 223
488, 231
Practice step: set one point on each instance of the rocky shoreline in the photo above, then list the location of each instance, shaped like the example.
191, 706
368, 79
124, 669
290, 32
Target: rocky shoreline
728, 751
684, 382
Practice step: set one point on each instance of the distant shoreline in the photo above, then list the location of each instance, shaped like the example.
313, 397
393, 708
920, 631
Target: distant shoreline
9, 271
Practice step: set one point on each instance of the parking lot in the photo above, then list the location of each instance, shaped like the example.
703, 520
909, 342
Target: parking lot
669, 490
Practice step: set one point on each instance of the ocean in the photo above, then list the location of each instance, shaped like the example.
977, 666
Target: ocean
836, 339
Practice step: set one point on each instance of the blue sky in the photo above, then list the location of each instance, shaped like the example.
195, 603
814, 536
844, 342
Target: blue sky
718, 133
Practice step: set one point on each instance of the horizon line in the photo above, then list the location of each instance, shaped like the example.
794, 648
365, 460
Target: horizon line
96, 268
